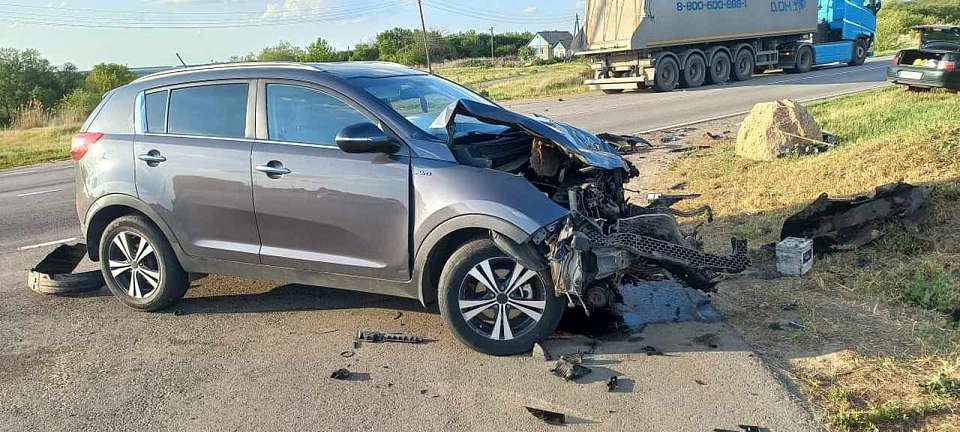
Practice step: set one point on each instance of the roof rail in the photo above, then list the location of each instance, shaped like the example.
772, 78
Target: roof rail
219, 66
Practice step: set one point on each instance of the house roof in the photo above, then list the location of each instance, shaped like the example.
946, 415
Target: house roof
565, 43
552, 37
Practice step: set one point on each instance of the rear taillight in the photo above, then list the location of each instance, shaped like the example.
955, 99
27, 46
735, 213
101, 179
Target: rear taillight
947, 65
82, 142
896, 59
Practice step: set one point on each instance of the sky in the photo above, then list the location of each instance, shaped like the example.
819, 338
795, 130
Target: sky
136, 32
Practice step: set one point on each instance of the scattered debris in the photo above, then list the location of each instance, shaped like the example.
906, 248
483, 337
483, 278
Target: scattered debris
830, 138
179, 312
651, 351
954, 319
744, 428
340, 374
680, 186
714, 136
549, 417
612, 383
398, 315
790, 306
708, 339
569, 367
347, 353
539, 352
625, 144
840, 224
54, 274
796, 325
669, 138
423, 391
700, 382
794, 256
775, 129
688, 149
377, 337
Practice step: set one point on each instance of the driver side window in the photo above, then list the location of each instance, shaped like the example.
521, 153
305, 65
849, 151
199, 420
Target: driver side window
304, 115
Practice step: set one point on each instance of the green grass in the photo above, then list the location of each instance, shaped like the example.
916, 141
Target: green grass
30, 146
518, 82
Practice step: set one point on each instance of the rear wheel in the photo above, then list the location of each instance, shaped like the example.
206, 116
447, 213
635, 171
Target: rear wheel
667, 74
743, 65
494, 304
859, 53
139, 265
719, 71
804, 60
694, 71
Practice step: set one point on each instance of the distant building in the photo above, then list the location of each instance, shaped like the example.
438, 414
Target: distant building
547, 44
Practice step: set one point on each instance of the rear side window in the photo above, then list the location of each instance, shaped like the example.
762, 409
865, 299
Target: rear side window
156, 110
304, 115
218, 110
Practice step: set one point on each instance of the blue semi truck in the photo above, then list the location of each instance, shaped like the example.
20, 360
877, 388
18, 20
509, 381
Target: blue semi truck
665, 44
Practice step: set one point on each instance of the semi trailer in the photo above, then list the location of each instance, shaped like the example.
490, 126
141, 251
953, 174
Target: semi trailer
665, 44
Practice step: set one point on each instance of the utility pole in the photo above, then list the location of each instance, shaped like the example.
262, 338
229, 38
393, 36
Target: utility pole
493, 47
426, 45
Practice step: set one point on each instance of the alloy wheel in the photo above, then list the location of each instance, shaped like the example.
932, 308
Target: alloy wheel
134, 265
501, 299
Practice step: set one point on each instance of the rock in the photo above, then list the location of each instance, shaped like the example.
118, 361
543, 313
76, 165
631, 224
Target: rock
774, 129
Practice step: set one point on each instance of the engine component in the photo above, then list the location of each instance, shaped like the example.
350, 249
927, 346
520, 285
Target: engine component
598, 296
374, 336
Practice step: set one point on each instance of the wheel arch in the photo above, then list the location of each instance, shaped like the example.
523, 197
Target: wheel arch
664, 54
110, 207
443, 240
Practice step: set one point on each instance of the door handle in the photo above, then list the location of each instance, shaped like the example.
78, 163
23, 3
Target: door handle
152, 158
273, 169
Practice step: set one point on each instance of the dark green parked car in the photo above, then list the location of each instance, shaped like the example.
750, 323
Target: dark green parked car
934, 64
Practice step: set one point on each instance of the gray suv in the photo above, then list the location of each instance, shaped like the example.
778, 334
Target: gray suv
362, 176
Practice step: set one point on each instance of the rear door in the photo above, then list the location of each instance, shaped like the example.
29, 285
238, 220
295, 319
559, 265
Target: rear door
193, 165
331, 211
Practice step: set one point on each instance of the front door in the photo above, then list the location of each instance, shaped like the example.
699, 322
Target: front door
193, 166
319, 208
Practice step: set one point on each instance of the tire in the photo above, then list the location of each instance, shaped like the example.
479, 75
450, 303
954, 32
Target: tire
667, 74
804, 60
474, 313
719, 71
612, 91
743, 65
859, 53
155, 280
694, 71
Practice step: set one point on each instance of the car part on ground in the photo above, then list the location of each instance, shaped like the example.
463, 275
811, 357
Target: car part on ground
377, 337
838, 224
54, 274
341, 374
549, 417
570, 367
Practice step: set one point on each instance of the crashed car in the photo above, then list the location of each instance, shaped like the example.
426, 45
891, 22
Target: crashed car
369, 177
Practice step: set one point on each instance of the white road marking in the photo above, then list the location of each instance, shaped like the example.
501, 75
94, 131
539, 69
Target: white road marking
39, 192
49, 243
724, 116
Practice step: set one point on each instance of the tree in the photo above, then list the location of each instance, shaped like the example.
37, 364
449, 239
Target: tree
283, 51
525, 53
321, 51
108, 76
364, 52
26, 76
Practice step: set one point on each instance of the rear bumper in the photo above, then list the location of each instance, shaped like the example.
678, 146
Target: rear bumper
923, 77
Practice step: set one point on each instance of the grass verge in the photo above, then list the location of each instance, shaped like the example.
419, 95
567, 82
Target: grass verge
878, 349
30, 146
517, 82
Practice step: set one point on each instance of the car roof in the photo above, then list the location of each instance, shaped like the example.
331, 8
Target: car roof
343, 70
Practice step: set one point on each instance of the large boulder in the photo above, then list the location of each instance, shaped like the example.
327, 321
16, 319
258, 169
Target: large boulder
774, 129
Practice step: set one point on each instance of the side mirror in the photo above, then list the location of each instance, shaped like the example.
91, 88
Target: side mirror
366, 138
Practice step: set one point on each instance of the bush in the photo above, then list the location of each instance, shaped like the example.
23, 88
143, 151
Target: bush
75, 107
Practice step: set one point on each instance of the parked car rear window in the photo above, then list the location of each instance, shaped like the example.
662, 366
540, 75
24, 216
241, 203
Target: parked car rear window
218, 110
304, 115
156, 111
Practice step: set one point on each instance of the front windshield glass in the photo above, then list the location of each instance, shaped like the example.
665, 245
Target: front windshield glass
421, 99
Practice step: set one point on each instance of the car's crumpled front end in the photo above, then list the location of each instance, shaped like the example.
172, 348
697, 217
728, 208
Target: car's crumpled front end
604, 237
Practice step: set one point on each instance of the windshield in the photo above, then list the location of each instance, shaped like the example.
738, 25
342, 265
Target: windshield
421, 99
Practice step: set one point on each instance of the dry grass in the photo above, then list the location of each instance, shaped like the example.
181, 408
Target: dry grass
874, 321
30, 146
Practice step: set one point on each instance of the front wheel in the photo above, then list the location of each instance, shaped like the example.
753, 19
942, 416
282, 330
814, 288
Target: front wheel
494, 304
859, 53
139, 265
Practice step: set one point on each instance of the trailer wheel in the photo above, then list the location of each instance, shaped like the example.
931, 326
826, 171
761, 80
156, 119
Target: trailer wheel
804, 60
744, 65
694, 71
859, 53
719, 71
667, 75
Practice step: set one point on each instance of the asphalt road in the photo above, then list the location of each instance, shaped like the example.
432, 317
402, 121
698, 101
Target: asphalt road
254, 355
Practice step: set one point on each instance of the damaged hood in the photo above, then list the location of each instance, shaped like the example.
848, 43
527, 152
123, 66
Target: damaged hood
574, 142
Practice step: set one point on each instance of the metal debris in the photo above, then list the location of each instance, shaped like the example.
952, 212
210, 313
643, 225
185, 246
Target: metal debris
651, 351
569, 367
789, 306
539, 352
54, 274
341, 374
744, 428
347, 353
839, 224
549, 417
377, 337
625, 144
612, 383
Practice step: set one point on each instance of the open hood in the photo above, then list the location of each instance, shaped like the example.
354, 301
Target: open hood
574, 142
